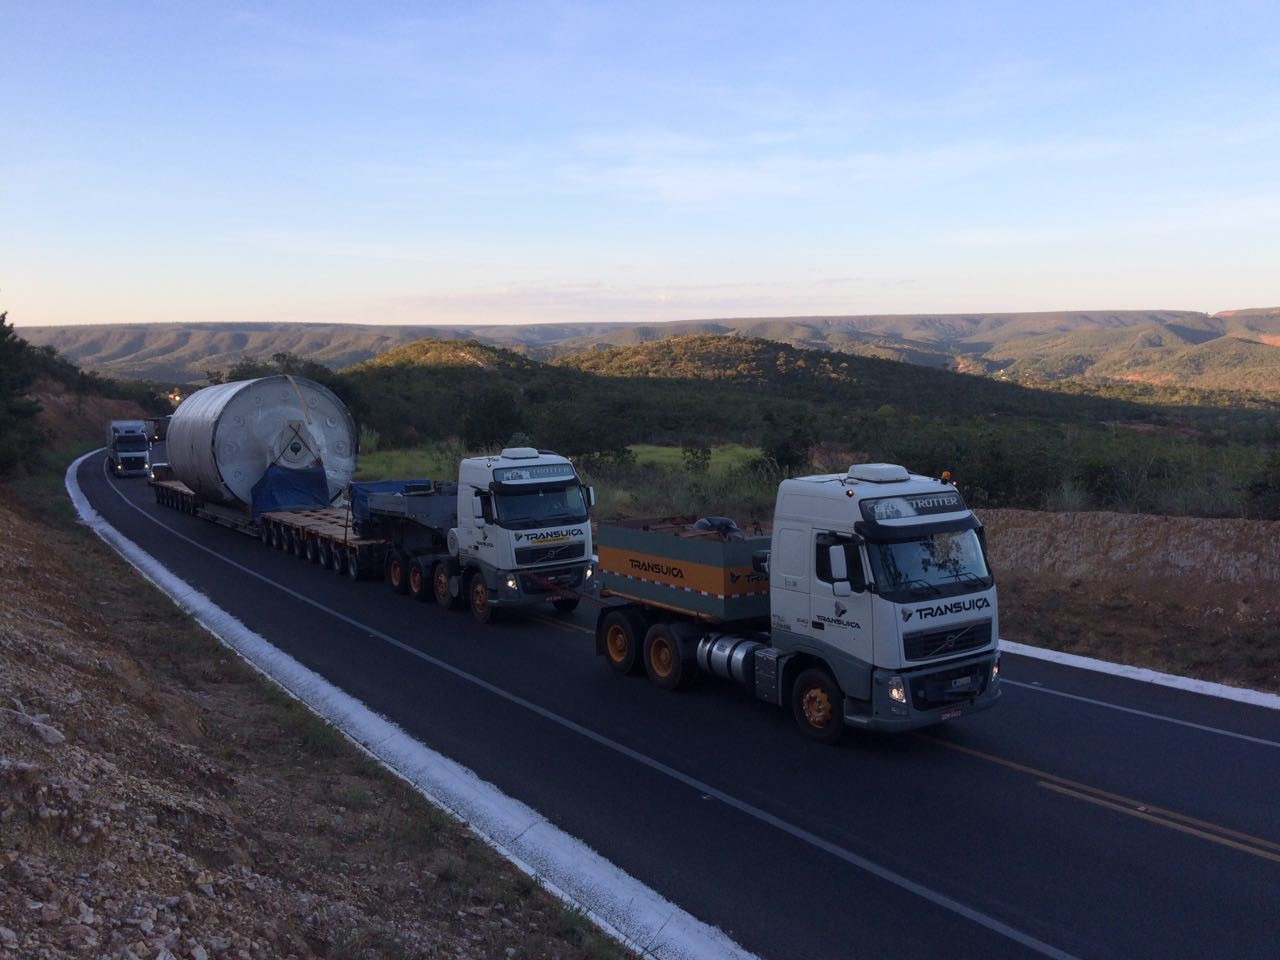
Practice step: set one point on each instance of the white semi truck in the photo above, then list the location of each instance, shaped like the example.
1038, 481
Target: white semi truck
128, 447
870, 605
523, 534
274, 457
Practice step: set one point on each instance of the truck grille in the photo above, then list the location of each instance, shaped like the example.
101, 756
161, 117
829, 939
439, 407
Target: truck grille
930, 691
560, 552
945, 643
551, 581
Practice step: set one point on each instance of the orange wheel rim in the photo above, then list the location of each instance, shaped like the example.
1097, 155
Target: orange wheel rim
615, 640
817, 706
442, 584
662, 658
415, 580
479, 595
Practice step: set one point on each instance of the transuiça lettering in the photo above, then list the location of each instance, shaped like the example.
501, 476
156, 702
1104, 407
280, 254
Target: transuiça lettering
653, 566
958, 606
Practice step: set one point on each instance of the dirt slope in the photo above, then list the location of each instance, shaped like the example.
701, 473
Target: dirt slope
1181, 594
157, 800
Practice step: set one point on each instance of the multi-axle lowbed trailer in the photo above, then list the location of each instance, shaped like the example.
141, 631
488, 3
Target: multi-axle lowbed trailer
400, 531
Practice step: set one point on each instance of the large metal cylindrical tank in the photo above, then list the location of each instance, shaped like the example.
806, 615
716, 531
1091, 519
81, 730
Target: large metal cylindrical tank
222, 438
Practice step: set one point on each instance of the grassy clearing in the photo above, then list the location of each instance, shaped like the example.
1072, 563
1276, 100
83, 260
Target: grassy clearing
726, 456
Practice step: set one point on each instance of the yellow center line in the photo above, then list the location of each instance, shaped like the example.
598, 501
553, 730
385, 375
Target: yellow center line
1184, 823
1144, 815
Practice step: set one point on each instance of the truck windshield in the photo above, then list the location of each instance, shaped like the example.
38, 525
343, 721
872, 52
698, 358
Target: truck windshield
941, 565
541, 507
131, 442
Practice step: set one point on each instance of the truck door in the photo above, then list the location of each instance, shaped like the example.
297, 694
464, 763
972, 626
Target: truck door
839, 603
789, 579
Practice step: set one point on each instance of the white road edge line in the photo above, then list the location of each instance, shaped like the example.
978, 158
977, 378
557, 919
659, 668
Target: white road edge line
1261, 741
593, 895
1257, 698
622, 906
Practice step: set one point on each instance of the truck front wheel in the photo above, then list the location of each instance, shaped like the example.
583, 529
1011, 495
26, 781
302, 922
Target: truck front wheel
478, 598
662, 660
816, 704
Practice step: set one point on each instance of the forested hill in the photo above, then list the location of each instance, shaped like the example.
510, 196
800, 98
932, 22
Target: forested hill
1232, 350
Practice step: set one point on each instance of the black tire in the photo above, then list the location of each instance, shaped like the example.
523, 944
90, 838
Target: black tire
440, 586
264, 533
396, 568
565, 605
311, 549
816, 703
324, 553
353, 563
299, 544
338, 561
419, 582
622, 637
478, 598
662, 660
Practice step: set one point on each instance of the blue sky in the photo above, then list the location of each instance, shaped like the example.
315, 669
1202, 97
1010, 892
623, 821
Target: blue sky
489, 162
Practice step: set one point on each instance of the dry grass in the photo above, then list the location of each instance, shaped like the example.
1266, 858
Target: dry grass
218, 766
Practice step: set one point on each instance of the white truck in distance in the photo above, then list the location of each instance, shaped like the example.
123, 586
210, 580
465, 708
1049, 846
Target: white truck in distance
523, 533
874, 606
128, 447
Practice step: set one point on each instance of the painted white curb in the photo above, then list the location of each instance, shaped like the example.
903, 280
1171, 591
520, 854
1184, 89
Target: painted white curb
622, 906
1256, 698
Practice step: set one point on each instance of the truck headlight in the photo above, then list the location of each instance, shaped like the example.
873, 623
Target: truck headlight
589, 572
897, 690
995, 670
511, 581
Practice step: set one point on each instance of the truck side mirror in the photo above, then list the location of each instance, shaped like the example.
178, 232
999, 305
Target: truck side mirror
839, 569
591, 496
760, 562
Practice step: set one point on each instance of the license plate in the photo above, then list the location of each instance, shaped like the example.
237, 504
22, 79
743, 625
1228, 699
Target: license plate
962, 683
950, 714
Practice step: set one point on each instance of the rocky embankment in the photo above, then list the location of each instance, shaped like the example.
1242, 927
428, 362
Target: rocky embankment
1180, 594
158, 800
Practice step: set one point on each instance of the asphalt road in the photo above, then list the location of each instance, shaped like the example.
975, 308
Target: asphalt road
1085, 816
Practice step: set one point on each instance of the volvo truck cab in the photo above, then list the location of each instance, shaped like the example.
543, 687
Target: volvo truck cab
523, 533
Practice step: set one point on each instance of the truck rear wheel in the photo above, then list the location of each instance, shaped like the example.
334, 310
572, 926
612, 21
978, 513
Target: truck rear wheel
478, 598
419, 582
816, 704
440, 586
397, 571
662, 660
299, 544
622, 636
323, 553
338, 559
353, 563
311, 549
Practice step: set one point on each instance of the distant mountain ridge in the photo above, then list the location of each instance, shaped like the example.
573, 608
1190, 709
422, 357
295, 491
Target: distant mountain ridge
1233, 349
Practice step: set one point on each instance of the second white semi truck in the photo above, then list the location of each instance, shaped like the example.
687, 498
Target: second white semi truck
871, 604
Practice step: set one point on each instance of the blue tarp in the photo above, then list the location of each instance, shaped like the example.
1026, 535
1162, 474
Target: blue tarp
360, 493
283, 488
